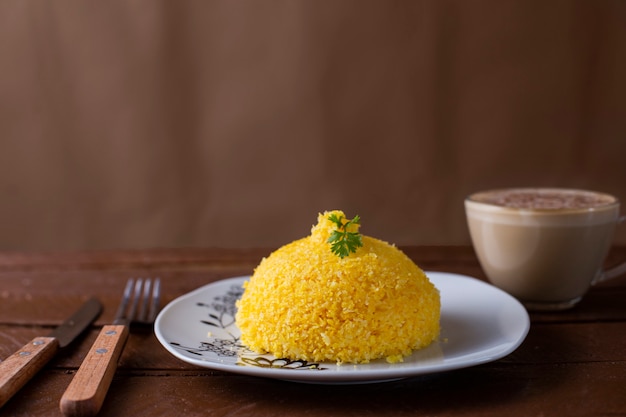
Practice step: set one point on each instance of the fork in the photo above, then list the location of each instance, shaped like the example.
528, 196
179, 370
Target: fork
85, 394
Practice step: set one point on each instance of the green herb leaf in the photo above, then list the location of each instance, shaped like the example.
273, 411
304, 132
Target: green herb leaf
343, 243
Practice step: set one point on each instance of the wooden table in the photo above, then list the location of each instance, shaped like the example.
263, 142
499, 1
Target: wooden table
571, 364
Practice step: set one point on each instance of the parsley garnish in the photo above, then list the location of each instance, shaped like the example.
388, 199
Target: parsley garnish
343, 242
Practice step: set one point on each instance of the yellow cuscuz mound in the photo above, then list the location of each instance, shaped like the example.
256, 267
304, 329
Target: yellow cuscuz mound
304, 302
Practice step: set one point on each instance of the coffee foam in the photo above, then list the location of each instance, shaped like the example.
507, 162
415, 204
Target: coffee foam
542, 218
544, 199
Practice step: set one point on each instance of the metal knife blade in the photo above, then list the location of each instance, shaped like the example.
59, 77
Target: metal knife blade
79, 321
19, 368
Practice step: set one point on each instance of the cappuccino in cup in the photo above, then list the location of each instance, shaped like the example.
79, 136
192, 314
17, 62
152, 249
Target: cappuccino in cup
545, 246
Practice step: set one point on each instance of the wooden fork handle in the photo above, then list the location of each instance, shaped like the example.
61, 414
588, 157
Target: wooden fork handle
85, 394
19, 368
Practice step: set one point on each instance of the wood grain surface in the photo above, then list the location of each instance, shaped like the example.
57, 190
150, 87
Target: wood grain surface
572, 363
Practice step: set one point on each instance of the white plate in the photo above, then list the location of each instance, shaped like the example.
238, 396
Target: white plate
479, 324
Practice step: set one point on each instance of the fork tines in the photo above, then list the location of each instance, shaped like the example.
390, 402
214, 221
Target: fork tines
143, 294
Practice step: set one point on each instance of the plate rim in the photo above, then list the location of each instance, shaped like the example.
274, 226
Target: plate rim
354, 375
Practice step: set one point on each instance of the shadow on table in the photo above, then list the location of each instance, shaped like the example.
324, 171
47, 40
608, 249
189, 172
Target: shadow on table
496, 387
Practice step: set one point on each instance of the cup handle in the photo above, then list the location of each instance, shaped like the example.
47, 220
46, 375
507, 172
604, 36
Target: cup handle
615, 271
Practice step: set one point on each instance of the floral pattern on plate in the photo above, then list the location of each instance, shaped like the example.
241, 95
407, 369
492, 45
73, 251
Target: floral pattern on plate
220, 318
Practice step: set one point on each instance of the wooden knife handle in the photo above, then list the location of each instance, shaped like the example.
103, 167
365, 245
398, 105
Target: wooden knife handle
19, 368
85, 394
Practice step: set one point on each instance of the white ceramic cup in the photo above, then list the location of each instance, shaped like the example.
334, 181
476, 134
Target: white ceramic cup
544, 246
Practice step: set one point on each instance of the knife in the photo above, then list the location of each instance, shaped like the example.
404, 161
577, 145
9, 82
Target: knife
19, 368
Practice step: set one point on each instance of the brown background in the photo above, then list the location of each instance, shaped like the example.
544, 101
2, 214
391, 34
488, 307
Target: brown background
227, 123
